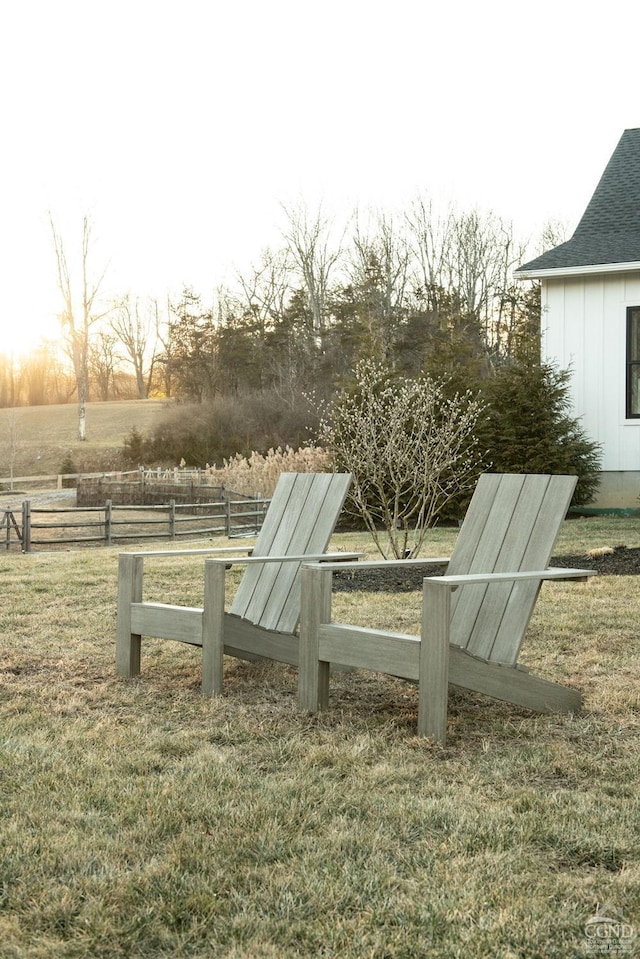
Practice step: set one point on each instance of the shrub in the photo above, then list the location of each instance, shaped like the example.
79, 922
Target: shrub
215, 431
68, 466
133, 452
409, 447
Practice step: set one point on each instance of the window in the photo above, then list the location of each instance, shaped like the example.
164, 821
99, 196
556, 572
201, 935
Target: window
633, 362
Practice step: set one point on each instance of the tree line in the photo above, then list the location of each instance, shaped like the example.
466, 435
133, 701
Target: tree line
427, 300
421, 291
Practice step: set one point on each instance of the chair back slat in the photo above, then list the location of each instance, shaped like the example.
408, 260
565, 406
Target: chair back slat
512, 525
305, 509
275, 512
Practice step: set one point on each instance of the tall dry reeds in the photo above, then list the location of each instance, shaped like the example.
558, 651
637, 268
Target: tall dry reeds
259, 474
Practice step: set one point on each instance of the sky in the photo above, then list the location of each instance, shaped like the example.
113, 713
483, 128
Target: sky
183, 128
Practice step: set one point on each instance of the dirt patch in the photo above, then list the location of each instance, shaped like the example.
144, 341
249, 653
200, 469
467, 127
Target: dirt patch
622, 562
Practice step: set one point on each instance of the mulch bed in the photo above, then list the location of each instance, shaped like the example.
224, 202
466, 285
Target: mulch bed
622, 562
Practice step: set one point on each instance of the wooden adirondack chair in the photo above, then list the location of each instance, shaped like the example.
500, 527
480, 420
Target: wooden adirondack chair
474, 617
263, 618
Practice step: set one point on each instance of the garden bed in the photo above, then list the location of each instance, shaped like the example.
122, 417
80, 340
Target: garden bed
621, 562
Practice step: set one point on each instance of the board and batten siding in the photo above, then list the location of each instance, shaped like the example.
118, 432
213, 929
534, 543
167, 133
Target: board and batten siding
584, 329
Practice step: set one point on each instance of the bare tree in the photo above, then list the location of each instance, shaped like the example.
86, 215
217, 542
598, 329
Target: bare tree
267, 289
465, 261
136, 324
40, 373
78, 318
553, 234
11, 441
431, 241
308, 238
267, 298
166, 338
478, 259
379, 270
102, 363
8, 386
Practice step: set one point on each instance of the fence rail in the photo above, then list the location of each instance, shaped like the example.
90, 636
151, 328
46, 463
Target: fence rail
176, 476
106, 525
45, 480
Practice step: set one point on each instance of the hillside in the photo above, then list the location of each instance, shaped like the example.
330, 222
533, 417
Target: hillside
46, 435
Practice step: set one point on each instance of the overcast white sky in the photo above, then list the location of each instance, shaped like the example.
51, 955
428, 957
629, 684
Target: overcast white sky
181, 127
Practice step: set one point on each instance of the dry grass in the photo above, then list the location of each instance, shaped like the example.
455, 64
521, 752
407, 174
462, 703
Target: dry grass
46, 434
138, 819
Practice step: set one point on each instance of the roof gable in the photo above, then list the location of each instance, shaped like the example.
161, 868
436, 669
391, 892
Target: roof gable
609, 231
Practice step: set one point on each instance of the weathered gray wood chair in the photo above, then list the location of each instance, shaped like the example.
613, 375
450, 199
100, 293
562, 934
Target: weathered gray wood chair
263, 618
474, 617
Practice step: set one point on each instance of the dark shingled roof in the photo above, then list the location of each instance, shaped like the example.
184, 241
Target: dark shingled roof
609, 231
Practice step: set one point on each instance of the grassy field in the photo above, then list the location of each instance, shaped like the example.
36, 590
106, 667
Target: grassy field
138, 819
45, 435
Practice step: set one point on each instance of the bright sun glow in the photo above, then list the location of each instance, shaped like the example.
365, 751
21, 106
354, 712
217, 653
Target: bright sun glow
184, 173
20, 339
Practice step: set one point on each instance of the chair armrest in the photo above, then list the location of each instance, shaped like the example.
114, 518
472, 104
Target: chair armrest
551, 573
315, 558
205, 551
381, 563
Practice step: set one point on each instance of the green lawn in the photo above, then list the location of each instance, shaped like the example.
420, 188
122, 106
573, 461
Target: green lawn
138, 819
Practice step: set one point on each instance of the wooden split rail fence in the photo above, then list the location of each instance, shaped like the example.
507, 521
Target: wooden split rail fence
49, 527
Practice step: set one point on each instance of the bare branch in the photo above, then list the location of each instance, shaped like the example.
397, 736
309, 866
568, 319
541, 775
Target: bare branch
410, 449
77, 324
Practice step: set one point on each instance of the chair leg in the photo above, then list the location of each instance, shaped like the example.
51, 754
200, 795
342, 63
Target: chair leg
213, 628
315, 609
434, 661
130, 576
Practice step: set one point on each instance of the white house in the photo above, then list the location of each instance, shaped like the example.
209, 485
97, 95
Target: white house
591, 321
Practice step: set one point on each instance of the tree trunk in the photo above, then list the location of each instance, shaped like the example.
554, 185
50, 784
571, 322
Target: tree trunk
83, 394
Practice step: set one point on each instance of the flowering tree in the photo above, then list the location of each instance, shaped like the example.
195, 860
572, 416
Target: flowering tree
410, 449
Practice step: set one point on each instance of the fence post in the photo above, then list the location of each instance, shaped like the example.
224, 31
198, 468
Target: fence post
172, 519
108, 518
10, 520
227, 517
26, 525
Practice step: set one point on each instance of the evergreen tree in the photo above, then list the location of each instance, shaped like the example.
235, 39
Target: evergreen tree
193, 351
528, 426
